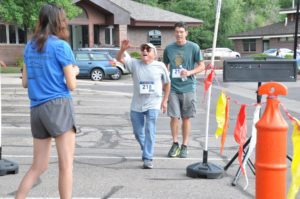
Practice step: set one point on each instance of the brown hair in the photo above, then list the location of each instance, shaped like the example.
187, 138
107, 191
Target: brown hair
181, 24
52, 20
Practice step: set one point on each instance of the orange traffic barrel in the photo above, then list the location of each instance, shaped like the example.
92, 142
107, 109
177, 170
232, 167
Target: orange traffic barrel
270, 162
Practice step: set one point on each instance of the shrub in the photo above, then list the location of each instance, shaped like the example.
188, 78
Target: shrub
20, 62
10, 69
135, 54
259, 56
289, 56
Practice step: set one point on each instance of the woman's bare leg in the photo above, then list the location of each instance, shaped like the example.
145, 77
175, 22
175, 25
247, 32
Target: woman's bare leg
65, 145
41, 154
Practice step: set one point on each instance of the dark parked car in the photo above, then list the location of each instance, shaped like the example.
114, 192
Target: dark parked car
96, 65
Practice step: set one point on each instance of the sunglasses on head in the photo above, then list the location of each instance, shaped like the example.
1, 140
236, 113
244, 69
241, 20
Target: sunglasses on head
148, 49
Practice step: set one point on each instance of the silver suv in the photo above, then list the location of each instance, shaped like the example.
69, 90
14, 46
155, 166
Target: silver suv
112, 52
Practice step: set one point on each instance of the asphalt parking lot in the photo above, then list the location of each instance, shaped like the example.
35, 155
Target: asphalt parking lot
107, 159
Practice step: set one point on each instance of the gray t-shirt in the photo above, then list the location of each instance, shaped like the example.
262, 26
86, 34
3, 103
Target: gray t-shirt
148, 80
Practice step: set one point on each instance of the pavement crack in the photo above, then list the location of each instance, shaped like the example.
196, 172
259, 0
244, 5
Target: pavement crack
113, 190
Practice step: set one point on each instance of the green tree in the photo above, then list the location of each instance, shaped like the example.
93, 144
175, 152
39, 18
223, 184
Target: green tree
149, 2
260, 13
24, 13
231, 21
287, 3
199, 10
236, 16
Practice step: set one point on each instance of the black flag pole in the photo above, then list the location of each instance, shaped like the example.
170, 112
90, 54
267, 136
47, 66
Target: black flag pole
296, 31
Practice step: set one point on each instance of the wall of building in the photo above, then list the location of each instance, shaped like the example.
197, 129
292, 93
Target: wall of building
259, 46
10, 53
273, 43
139, 35
276, 43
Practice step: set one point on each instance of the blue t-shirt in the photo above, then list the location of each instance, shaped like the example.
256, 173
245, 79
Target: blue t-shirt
186, 56
45, 75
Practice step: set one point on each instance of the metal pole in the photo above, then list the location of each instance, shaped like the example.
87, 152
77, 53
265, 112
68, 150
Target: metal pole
218, 11
205, 169
0, 130
293, 5
296, 31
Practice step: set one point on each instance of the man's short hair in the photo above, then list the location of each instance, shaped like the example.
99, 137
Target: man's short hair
181, 24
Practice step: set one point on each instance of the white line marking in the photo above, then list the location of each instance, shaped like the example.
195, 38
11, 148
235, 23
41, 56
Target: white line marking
117, 157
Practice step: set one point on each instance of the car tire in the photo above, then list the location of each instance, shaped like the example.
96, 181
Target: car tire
97, 74
116, 76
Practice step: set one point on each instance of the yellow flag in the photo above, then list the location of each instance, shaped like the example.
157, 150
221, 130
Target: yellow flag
220, 114
295, 184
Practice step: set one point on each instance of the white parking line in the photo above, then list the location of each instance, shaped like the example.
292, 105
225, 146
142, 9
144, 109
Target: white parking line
57, 198
118, 157
72, 198
92, 92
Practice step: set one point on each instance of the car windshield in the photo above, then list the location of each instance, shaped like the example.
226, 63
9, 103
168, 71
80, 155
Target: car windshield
209, 50
272, 50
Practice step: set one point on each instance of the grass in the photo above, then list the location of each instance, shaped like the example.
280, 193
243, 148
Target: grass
10, 69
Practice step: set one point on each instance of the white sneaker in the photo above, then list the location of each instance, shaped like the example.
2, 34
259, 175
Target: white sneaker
148, 164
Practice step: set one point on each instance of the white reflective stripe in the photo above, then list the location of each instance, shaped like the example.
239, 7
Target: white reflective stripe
252, 141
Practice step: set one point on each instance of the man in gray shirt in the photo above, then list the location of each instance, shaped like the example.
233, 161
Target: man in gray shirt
150, 79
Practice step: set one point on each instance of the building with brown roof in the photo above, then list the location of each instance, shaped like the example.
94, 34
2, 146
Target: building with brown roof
106, 23
278, 35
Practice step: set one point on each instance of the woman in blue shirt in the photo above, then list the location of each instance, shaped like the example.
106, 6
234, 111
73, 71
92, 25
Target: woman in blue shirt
49, 74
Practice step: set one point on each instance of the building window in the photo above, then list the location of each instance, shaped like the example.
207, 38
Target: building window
286, 39
249, 45
155, 37
11, 34
22, 36
109, 35
85, 36
97, 42
2, 33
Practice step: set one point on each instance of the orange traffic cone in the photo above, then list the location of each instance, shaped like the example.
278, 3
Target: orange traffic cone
270, 162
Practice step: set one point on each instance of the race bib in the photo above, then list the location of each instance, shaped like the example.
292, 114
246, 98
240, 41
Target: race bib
176, 73
147, 87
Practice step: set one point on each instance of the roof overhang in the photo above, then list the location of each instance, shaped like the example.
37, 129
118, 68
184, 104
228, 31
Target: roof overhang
122, 16
287, 11
261, 37
161, 23
276, 36
245, 37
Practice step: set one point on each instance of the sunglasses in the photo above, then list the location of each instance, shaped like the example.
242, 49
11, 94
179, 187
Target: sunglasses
148, 49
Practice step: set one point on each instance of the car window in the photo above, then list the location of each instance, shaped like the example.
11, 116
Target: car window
98, 57
113, 53
272, 50
287, 50
82, 56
